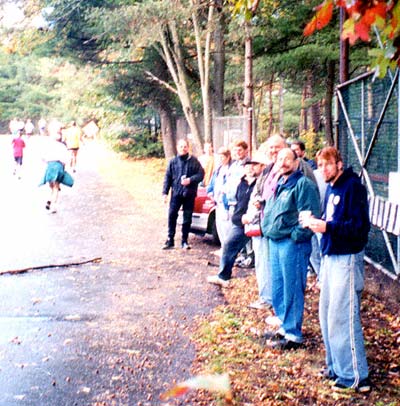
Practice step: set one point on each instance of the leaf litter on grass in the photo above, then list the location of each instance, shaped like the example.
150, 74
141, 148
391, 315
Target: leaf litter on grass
230, 341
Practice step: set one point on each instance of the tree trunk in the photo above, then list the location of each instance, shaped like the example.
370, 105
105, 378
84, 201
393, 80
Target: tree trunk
303, 112
238, 103
174, 59
203, 61
315, 108
270, 107
248, 82
316, 116
330, 84
281, 109
168, 130
219, 61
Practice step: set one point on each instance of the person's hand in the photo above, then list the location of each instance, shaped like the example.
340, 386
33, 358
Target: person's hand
317, 225
165, 199
245, 219
304, 218
257, 204
185, 181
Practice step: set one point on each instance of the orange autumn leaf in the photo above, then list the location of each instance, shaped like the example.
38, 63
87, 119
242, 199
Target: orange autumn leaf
310, 27
349, 31
321, 18
362, 30
213, 383
324, 14
174, 392
370, 15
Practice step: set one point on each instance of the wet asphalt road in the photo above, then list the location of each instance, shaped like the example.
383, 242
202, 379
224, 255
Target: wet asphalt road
114, 332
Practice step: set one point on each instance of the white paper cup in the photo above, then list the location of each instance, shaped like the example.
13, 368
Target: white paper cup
305, 217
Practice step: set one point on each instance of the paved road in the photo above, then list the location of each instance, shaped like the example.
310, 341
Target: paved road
109, 333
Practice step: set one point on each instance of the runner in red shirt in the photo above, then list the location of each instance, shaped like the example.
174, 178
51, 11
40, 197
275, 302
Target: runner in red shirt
18, 149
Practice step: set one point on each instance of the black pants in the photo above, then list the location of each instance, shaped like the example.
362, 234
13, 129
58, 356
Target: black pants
187, 203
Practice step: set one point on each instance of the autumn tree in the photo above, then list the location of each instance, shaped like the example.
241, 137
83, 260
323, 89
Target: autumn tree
364, 19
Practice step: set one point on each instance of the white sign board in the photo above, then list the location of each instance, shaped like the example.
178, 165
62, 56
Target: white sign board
394, 187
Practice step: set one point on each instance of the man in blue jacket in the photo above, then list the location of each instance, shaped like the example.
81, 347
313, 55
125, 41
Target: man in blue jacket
289, 248
183, 175
344, 227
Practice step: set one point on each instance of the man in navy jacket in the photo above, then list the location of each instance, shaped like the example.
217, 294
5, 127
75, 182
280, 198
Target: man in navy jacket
344, 227
183, 175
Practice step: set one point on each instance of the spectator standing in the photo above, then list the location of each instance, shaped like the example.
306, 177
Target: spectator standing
345, 226
216, 189
264, 189
237, 239
240, 154
182, 177
72, 138
300, 148
207, 161
289, 248
55, 155
18, 152
252, 219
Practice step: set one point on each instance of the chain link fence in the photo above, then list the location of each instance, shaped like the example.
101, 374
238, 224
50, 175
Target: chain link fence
368, 138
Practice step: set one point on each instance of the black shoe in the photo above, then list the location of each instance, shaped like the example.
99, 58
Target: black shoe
48, 203
326, 374
168, 244
363, 387
186, 246
272, 335
284, 344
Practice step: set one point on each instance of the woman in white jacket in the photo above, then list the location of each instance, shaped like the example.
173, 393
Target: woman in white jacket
55, 155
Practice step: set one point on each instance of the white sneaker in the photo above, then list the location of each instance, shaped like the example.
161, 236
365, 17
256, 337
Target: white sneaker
259, 305
216, 280
273, 321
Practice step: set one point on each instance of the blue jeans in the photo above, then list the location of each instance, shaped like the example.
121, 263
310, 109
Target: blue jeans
262, 268
315, 258
289, 261
223, 223
235, 241
342, 281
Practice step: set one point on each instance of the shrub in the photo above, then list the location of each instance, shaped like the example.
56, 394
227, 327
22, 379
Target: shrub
139, 145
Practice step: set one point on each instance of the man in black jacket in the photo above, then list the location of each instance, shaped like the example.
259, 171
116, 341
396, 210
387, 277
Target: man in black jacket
183, 175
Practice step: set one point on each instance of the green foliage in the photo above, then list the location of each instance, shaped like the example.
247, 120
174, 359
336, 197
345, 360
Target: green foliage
314, 141
138, 145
